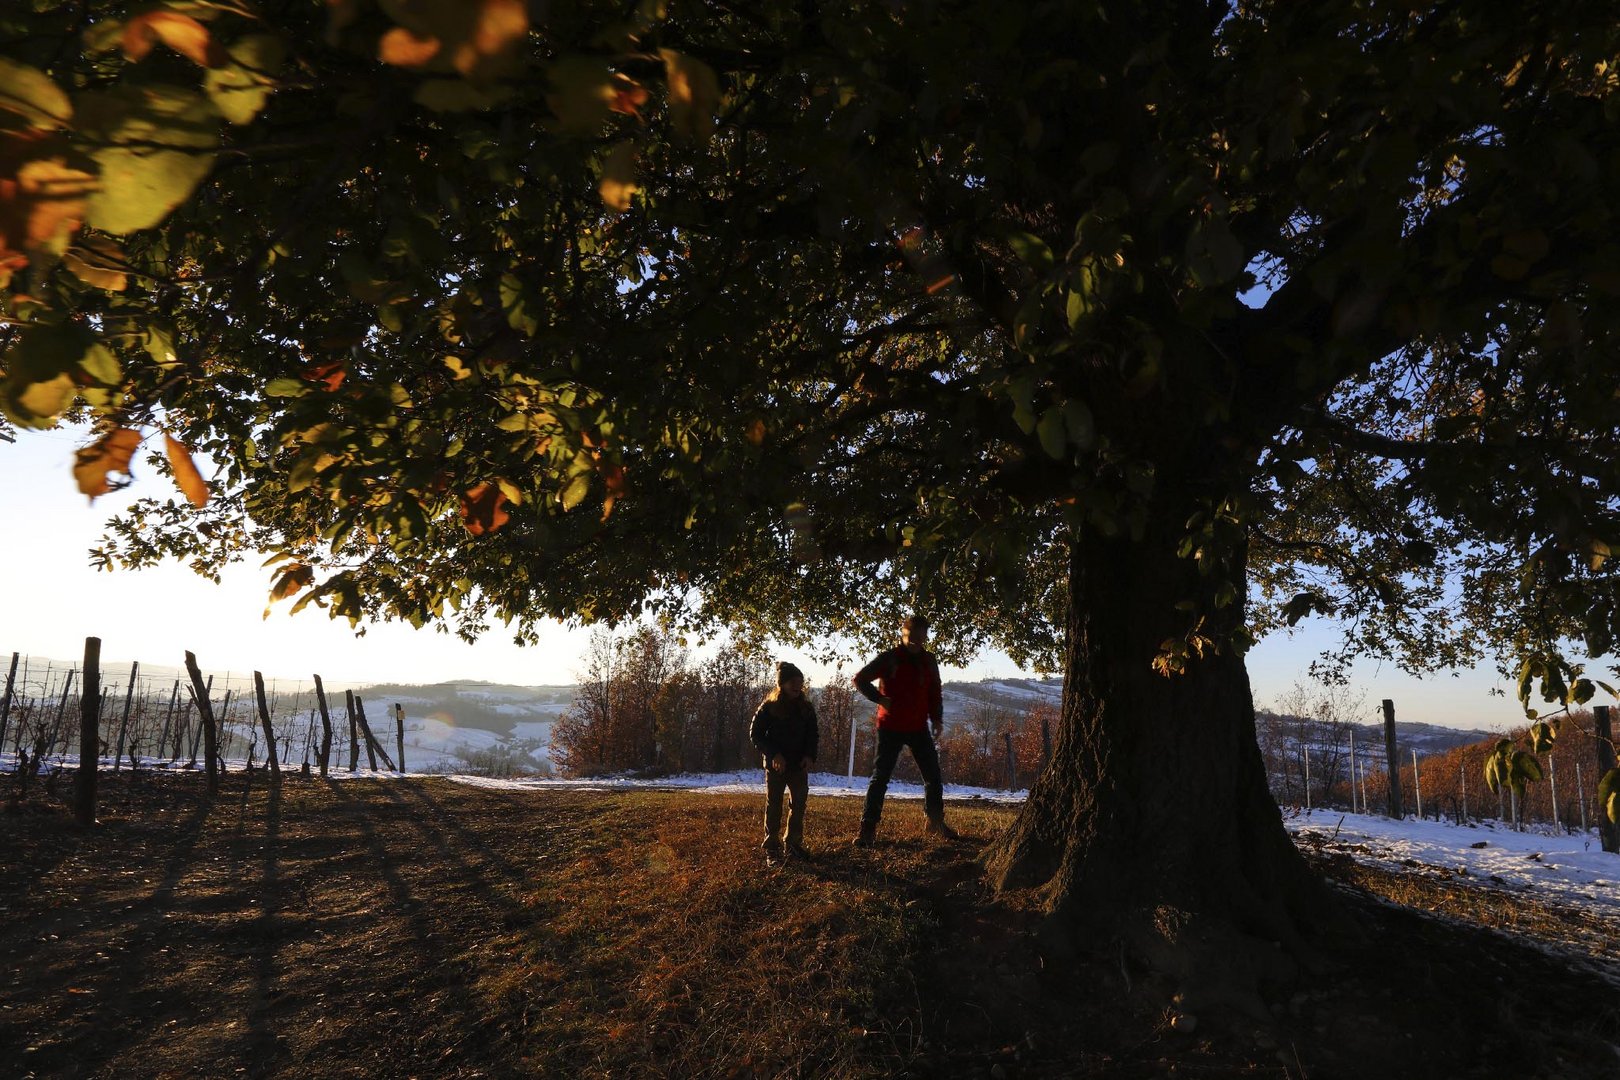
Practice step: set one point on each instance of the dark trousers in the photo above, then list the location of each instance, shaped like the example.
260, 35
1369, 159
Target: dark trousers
888, 752
795, 783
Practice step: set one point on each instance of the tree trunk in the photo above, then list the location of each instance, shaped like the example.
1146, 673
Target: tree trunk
1153, 827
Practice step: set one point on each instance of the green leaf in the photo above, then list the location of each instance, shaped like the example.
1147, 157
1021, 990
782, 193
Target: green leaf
1214, 255
1022, 391
162, 142
1541, 737
459, 95
1080, 423
142, 187
575, 492
286, 386
1033, 250
1525, 766
33, 95
100, 364
240, 89
1303, 604
39, 366
1608, 789
1050, 430
514, 301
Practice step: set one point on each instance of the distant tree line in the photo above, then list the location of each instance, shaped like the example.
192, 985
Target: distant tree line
645, 704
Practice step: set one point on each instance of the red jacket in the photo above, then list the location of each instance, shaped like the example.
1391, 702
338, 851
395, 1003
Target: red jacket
911, 683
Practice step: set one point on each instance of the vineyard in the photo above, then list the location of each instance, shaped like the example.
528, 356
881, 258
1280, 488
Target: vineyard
157, 718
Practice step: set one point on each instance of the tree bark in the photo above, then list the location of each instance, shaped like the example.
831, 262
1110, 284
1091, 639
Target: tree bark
1153, 827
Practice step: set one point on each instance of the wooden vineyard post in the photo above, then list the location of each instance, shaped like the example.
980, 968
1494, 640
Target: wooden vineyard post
374, 748
354, 734
399, 733
168, 719
269, 732
5, 701
1608, 831
61, 710
123, 724
84, 797
223, 737
1417, 784
326, 725
1392, 761
205, 713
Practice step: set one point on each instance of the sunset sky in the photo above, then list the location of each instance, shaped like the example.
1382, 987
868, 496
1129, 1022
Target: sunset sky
54, 599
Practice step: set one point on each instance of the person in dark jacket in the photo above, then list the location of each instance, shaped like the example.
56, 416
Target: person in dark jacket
784, 732
904, 682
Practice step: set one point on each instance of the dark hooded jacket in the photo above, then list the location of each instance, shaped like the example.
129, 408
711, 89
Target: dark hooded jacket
785, 726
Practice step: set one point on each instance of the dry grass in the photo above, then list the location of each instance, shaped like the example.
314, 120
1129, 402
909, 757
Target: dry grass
423, 928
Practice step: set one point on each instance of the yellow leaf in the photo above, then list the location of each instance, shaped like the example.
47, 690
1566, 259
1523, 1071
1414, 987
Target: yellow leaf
618, 184
94, 261
499, 27
186, 476
47, 398
694, 93
109, 454
182, 33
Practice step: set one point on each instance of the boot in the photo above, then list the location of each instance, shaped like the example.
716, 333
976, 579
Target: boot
868, 835
941, 831
774, 856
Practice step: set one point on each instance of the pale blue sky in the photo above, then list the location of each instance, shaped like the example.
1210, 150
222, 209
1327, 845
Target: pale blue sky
53, 599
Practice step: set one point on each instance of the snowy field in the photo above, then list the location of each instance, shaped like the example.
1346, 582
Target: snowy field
1568, 868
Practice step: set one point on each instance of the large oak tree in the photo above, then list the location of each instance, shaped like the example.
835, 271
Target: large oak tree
1112, 334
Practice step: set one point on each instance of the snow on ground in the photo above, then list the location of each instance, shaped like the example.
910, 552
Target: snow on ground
1561, 867
743, 782
533, 729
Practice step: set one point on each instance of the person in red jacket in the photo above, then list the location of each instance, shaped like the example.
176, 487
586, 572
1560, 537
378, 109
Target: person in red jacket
907, 692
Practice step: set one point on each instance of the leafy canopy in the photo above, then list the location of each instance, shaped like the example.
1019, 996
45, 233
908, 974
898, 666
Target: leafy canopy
794, 316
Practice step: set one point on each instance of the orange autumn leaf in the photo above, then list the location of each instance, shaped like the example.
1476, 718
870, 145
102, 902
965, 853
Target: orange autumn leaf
296, 577
628, 96
481, 509
109, 454
182, 33
499, 27
186, 476
406, 49
330, 375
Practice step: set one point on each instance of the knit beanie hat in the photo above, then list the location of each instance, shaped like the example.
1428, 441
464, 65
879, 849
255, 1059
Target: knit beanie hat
787, 672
